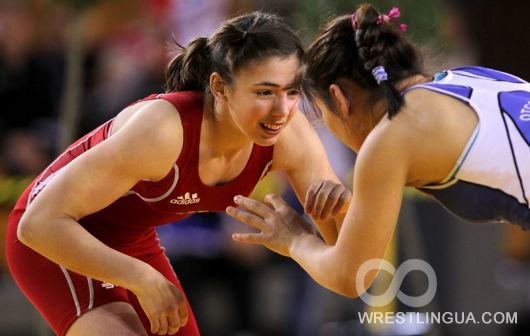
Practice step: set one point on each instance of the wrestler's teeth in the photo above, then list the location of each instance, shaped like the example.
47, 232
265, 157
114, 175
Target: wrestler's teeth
272, 127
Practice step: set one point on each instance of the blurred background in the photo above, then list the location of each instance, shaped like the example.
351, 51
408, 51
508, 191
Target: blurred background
68, 66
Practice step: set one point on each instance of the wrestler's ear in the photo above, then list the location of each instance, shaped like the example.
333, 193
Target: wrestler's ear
217, 85
340, 100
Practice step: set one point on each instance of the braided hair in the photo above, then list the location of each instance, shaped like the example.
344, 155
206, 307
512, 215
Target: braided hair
367, 48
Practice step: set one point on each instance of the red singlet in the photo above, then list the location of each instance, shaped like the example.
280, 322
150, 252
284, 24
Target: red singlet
128, 224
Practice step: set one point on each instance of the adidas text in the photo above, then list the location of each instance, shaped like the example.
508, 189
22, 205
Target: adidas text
186, 199
107, 285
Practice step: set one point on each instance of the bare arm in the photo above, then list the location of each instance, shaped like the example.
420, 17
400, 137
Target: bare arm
301, 154
367, 227
379, 179
91, 182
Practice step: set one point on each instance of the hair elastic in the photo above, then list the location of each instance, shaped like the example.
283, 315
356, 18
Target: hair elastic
354, 23
393, 14
379, 74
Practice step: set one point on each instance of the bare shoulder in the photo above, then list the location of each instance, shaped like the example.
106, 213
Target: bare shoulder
157, 114
431, 130
435, 108
398, 144
151, 130
389, 143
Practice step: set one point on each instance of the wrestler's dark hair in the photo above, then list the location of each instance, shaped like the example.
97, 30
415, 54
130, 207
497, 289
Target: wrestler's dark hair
236, 43
349, 48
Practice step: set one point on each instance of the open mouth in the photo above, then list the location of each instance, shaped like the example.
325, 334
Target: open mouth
272, 128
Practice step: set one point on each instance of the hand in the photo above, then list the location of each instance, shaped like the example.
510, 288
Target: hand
279, 226
325, 199
163, 303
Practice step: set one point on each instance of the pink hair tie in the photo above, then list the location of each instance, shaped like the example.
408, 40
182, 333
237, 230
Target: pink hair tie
354, 23
393, 14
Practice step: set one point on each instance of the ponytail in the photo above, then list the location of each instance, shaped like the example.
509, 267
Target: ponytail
190, 69
234, 45
393, 98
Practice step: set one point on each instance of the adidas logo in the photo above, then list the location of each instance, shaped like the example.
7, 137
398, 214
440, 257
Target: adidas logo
186, 199
107, 285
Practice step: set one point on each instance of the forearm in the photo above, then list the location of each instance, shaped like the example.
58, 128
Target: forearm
65, 242
329, 229
325, 264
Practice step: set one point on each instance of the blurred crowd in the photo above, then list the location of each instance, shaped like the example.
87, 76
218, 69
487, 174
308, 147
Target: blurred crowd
68, 66
65, 68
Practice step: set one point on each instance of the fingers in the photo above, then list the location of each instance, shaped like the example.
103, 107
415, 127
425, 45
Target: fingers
323, 201
179, 315
174, 326
246, 217
173, 319
327, 201
331, 202
252, 213
253, 206
177, 319
249, 238
183, 312
276, 201
163, 325
171, 323
343, 199
311, 194
155, 324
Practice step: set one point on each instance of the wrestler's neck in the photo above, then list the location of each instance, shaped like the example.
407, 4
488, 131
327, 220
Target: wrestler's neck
365, 114
220, 133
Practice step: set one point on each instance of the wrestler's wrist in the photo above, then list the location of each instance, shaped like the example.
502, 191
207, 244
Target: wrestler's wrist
299, 243
139, 276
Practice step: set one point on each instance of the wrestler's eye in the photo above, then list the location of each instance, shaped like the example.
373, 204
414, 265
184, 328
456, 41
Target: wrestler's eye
264, 93
293, 92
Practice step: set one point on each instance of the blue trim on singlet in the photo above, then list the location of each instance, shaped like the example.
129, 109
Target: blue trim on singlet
472, 201
440, 75
516, 104
479, 203
459, 90
510, 102
462, 93
450, 178
488, 74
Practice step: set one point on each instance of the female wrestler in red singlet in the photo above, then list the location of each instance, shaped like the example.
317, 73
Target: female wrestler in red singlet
81, 241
